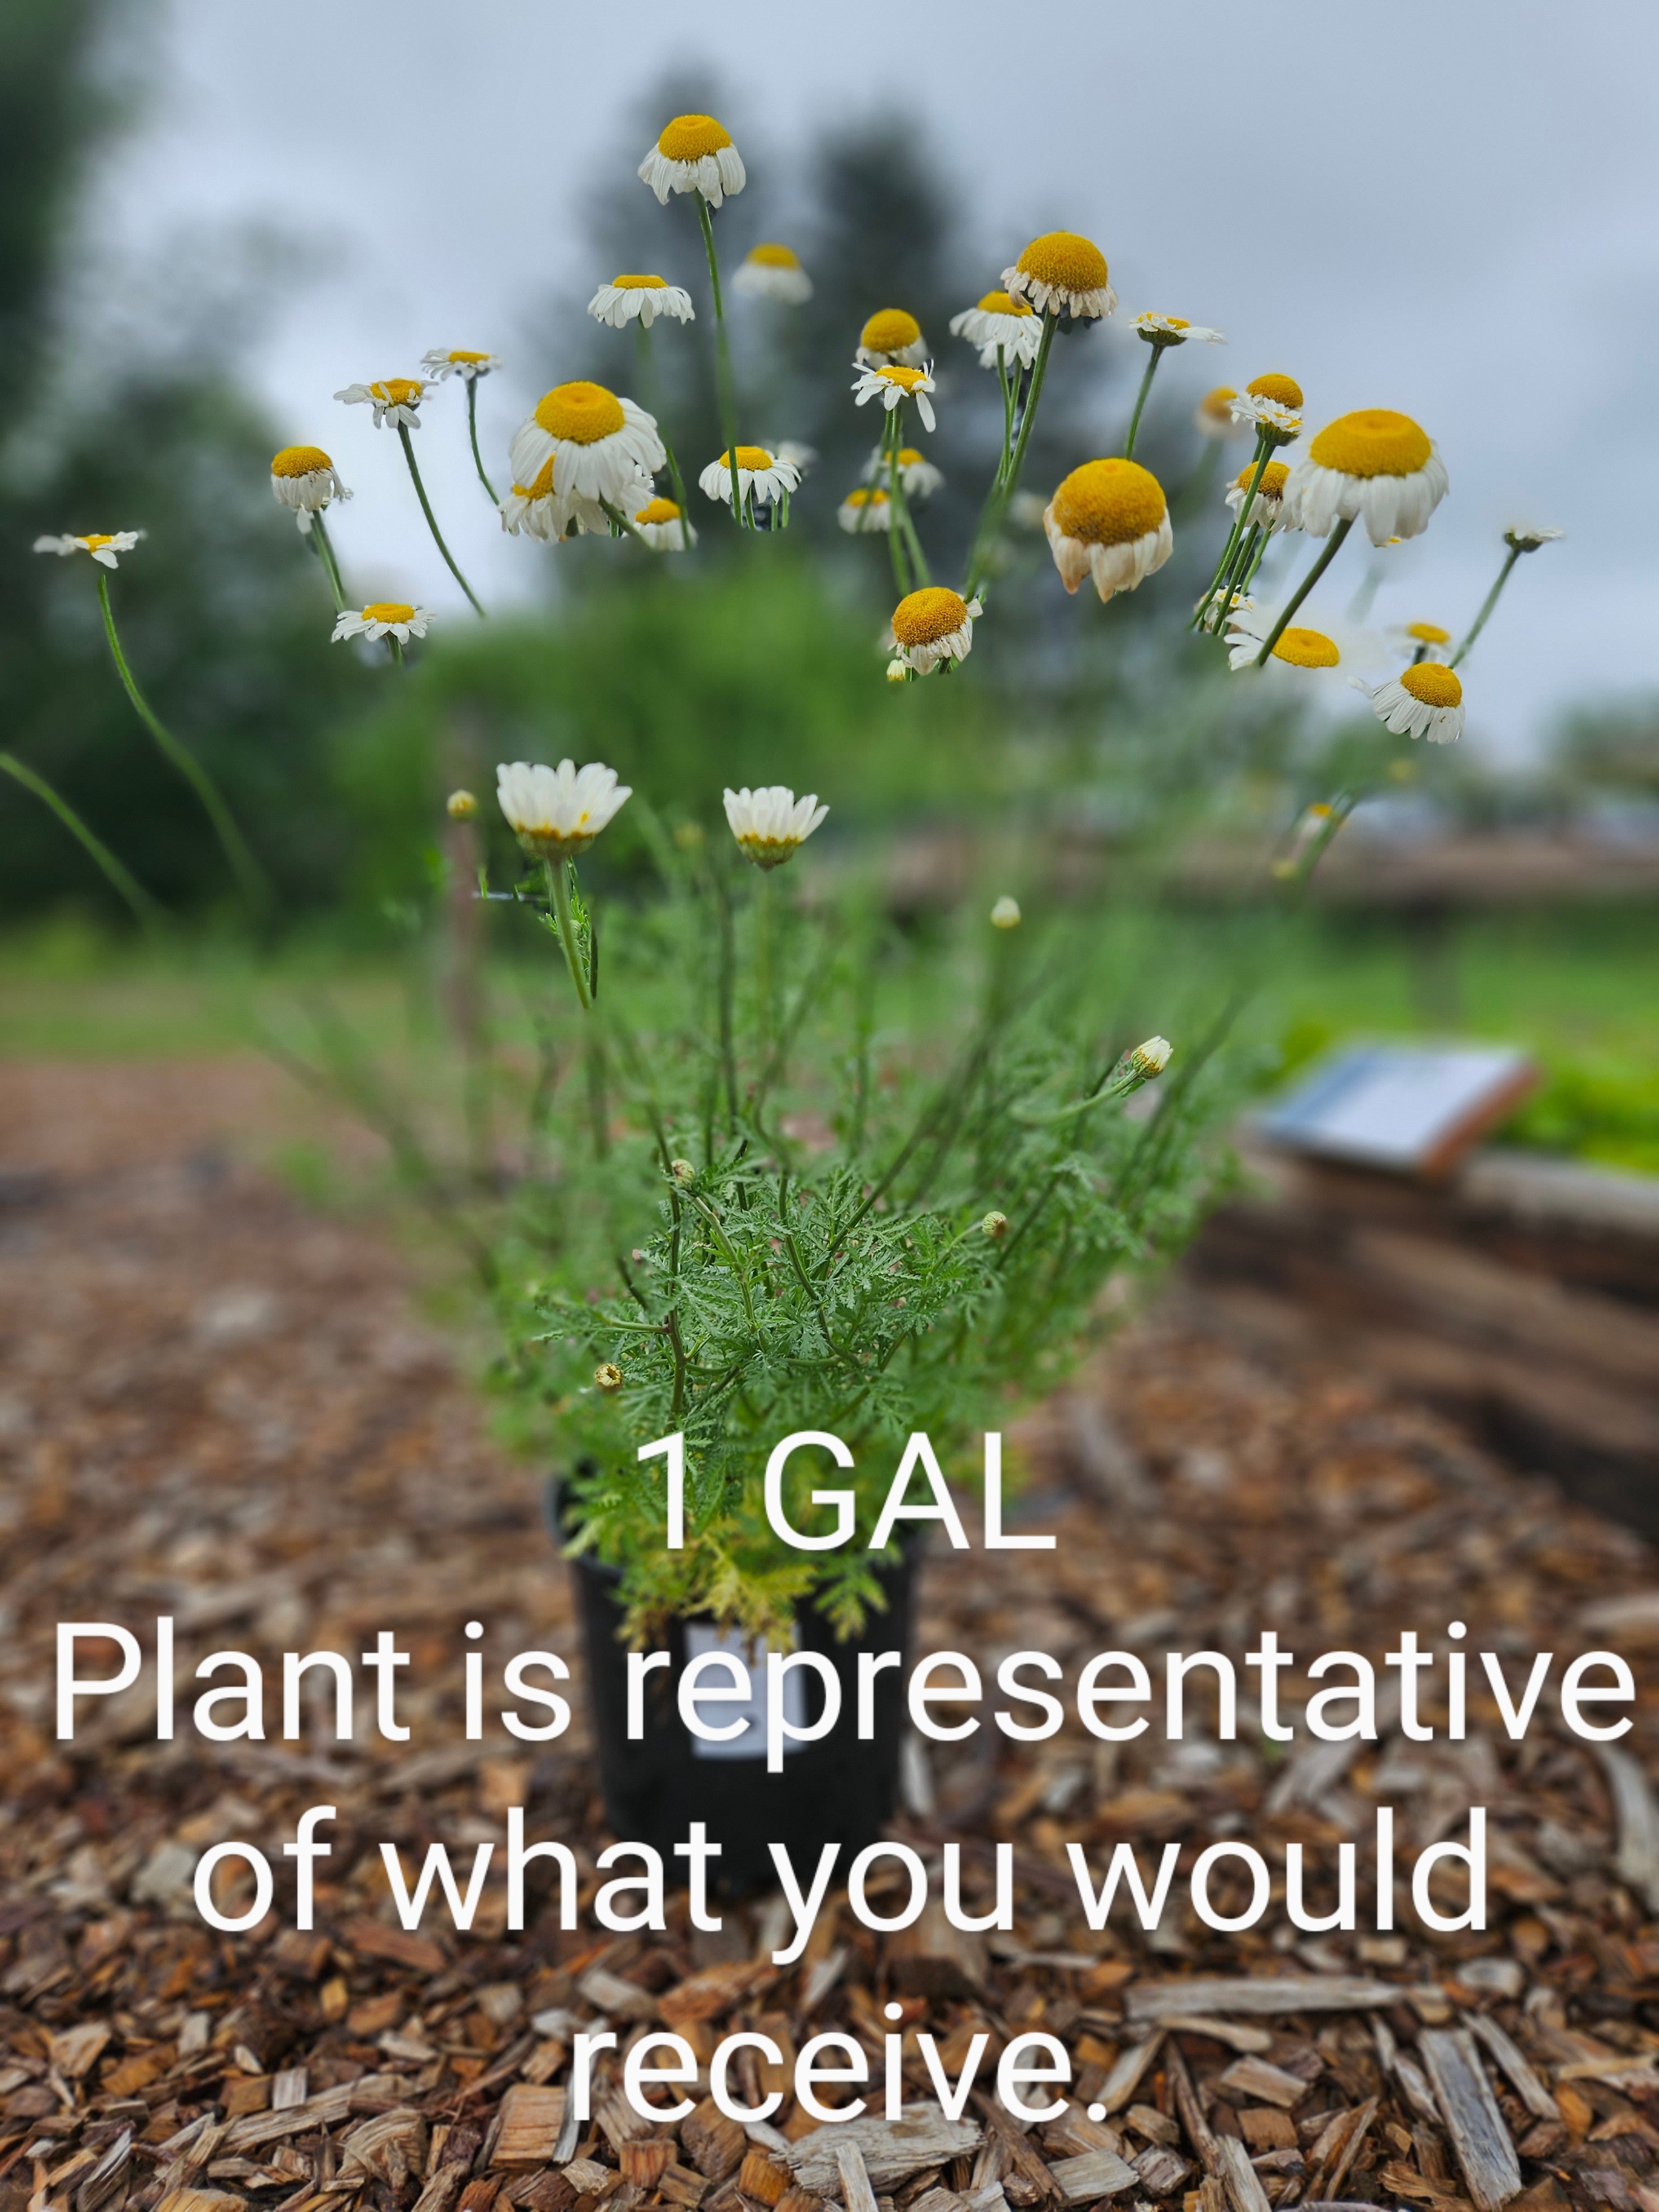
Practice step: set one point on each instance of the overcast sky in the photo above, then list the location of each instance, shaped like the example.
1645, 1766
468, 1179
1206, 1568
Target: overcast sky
1446, 206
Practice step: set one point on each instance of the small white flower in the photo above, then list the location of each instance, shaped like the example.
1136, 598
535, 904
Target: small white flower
383, 619
1213, 415
1174, 330
664, 528
770, 824
1151, 1057
899, 671
395, 399
601, 447
644, 297
1334, 647
1001, 322
1265, 414
1267, 506
102, 544
304, 478
693, 153
557, 812
762, 477
894, 385
1424, 701
1062, 273
866, 508
918, 478
469, 367
1424, 640
771, 272
537, 511
1375, 466
892, 338
1528, 537
1005, 915
930, 626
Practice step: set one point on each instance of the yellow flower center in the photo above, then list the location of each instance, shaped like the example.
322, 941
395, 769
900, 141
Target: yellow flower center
1284, 389
865, 496
770, 255
753, 458
689, 138
96, 538
1307, 648
927, 617
460, 354
1374, 442
659, 510
910, 457
1062, 258
580, 413
1428, 633
300, 461
542, 486
1005, 303
387, 610
1271, 485
906, 379
1217, 402
637, 283
399, 391
1432, 685
890, 330
1109, 503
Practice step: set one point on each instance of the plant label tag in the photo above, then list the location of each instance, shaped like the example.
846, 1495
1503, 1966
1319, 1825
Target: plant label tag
752, 1711
1416, 1109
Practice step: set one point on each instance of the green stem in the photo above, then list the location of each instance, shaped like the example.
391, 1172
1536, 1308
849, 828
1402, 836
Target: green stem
1486, 606
145, 910
1001, 492
1010, 389
1224, 566
471, 384
618, 521
432, 520
558, 882
1304, 587
330, 565
396, 645
896, 546
724, 382
249, 875
1140, 401
652, 400
764, 964
899, 508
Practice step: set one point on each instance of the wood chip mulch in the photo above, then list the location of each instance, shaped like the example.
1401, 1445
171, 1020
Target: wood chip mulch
216, 1404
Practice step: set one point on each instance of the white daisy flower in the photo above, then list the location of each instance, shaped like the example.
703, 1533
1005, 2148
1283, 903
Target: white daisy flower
626, 297
894, 385
383, 618
601, 447
693, 153
102, 544
557, 812
1267, 506
1002, 320
866, 508
395, 399
440, 366
1213, 415
771, 272
1424, 701
1109, 521
1063, 273
1271, 402
1151, 1057
1333, 646
1005, 915
930, 626
304, 478
770, 824
535, 510
892, 338
1424, 640
1373, 466
1528, 537
664, 528
918, 478
1173, 331
762, 477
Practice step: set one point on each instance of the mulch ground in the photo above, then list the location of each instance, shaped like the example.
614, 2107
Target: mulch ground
216, 1404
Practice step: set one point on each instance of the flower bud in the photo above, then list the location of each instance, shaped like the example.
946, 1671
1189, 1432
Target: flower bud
898, 671
681, 1170
1152, 1057
1005, 915
995, 1226
608, 1376
460, 806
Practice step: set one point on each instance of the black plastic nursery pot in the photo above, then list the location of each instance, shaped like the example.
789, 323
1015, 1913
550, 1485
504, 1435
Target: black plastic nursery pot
839, 1789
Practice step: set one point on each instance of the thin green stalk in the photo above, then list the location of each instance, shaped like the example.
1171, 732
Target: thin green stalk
1224, 566
396, 645
255, 888
763, 965
1486, 606
558, 883
1157, 352
618, 521
1010, 392
1254, 553
471, 384
432, 520
145, 910
899, 505
724, 383
325, 546
896, 546
651, 400
1003, 486
1307, 584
